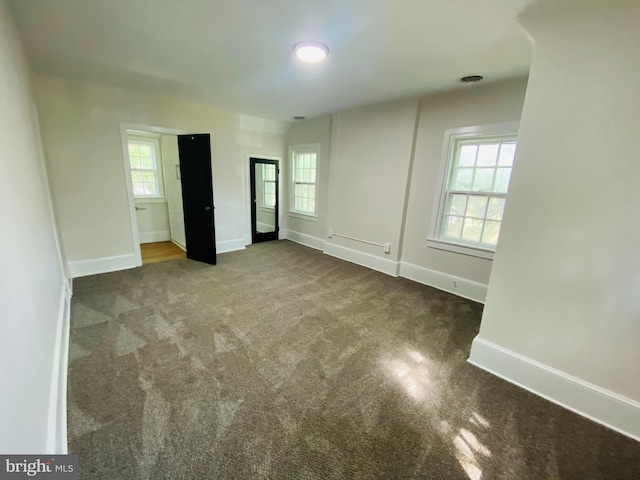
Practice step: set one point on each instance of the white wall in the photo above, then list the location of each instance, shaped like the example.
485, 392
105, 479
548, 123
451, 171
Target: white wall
81, 131
31, 276
153, 221
173, 188
317, 130
369, 169
382, 163
479, 105
564, 291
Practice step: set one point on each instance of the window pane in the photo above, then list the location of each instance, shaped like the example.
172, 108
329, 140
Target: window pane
134, 162
149, 177
147, 163
133, 149
312, 206
304, 190
467, 155
453, 227
136, 176
496, 207
312, 160
145, 150
150, 189
483, 181
491, 233
269, 172
138, 189
312, 175
487, 155
312, 191
507, 153
270, 200
472, 230
305, 204
457, 204
476, 206
462, 179
502, 180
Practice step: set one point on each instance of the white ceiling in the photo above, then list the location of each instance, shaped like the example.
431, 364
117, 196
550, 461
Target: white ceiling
237, 54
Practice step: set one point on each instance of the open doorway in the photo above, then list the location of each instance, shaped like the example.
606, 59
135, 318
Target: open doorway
154, 168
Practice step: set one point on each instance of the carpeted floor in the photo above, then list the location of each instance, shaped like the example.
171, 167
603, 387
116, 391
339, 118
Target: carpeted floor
281, 362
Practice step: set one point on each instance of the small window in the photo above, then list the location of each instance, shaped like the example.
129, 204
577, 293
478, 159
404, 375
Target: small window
145, 168
475, 192
268, 185
304, 162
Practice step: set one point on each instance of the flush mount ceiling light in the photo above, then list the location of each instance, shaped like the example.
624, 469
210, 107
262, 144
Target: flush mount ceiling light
311, 52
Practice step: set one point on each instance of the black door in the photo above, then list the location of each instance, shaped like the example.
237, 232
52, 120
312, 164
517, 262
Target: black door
264, 199
197, 196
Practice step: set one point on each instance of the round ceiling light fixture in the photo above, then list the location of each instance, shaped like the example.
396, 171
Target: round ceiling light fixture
311, 52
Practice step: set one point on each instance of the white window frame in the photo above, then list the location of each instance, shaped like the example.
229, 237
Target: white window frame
158, 170
263, 204
293, 151
451, 139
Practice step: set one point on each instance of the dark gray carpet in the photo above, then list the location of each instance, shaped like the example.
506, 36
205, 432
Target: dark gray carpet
281, 362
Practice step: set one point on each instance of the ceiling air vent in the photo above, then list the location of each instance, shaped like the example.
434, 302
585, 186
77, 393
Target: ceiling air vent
471, 79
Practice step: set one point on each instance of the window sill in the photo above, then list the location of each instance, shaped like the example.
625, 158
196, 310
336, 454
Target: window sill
460, 248
142, 200
304, 216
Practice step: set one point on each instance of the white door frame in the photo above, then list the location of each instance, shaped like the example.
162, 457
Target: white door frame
127, 174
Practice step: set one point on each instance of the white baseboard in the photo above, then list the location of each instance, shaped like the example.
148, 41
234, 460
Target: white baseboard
247, 239
265, 227
150, 237
303, 239
442, 281
178, 244
610, 409
365, 259
230, 245
57, 416
95, 266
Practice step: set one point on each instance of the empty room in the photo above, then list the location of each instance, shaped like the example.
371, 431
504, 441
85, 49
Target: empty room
307, 240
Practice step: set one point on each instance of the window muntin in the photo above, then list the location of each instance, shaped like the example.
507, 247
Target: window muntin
304, 181
476, 190
268, 185
143, 159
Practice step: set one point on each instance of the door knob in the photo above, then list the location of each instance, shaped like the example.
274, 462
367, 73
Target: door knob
207, 208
